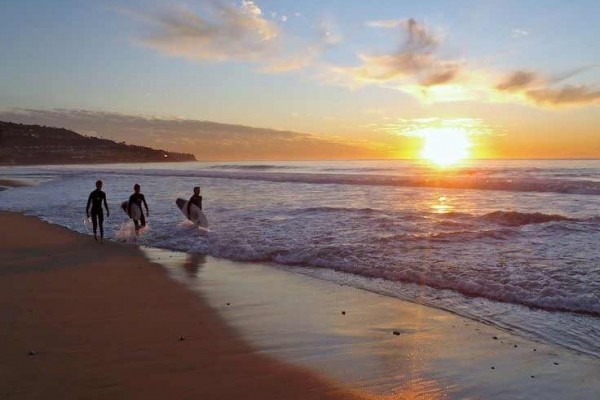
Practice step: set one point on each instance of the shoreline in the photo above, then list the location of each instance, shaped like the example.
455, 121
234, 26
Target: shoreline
377, 344
245, 315
98, 163
10, 183
100, 321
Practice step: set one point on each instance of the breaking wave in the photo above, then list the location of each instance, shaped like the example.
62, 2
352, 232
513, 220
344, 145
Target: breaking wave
263, 173
514, 218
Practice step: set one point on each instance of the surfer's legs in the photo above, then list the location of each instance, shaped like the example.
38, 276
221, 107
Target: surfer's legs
139, 224
95, 223
101, 223
98, 219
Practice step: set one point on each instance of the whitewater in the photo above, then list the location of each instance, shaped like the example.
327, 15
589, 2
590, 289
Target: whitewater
510, 243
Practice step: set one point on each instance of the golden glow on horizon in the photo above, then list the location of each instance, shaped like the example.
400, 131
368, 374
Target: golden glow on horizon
445, 146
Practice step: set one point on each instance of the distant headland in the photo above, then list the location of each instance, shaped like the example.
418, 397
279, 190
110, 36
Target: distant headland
22, 144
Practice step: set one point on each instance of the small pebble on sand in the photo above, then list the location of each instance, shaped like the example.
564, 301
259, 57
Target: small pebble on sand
396, 333
343, 312
495, 338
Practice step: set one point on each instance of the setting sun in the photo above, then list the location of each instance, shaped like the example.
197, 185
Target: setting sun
445, 146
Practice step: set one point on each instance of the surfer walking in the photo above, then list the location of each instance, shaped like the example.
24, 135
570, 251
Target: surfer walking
95, 201
196, 200
138, 199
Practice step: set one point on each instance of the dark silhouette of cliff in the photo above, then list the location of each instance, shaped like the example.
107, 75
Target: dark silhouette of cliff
22, 144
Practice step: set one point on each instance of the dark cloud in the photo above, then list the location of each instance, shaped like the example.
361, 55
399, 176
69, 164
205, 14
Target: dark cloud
444, 73
518, 80
207, 140
567, 95
415, 57
418, 38
543, 92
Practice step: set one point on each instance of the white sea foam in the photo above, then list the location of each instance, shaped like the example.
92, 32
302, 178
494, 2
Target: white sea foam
532, 245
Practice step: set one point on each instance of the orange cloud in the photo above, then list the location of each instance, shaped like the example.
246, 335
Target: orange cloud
540, 90
415, 68
518, 80
566, 95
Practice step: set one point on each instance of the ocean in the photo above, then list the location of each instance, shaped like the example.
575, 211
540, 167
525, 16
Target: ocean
515, 244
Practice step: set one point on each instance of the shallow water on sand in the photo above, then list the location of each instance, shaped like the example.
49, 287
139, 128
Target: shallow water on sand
511, 243
377, 344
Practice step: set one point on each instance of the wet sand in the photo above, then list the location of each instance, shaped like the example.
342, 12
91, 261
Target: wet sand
378, 345
8, 183
105, 321
82, 320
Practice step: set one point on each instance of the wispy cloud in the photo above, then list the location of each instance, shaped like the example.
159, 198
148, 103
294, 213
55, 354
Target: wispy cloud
518, 33
417, 126
218, 31
207, 140
566, 95
518, 80
415, 60
540, 90
224, 32
418, 69
385, 23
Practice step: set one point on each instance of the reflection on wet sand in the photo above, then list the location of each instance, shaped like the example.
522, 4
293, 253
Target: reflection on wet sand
377, 345
193, 263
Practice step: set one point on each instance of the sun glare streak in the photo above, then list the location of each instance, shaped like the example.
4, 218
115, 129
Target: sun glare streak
445, 146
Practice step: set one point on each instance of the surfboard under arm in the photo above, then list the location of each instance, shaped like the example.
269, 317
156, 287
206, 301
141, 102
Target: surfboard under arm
196, 214
136, 211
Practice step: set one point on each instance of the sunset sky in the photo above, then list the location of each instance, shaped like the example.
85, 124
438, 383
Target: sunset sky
326, 79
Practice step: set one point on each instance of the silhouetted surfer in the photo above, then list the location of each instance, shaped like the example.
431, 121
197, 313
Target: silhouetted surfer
196, 200
97, 197
138, 199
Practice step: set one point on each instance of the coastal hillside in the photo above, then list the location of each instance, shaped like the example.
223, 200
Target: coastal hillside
22, 144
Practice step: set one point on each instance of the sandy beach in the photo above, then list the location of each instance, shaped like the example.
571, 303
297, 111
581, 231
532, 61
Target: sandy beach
378, 345
251, 199
90, 321
105, 321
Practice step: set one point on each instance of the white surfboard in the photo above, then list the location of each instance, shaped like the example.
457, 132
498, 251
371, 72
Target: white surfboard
87, 223
135, 212
196, 214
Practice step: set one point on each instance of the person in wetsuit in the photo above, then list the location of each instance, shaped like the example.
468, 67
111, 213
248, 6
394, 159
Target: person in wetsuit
138, 199
196, 199
95, 200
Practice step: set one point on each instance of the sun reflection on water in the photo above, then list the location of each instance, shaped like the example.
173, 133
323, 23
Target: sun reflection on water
442, 205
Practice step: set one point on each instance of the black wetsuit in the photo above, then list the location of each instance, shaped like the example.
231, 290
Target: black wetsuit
138, 199
196, 200
96, 198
